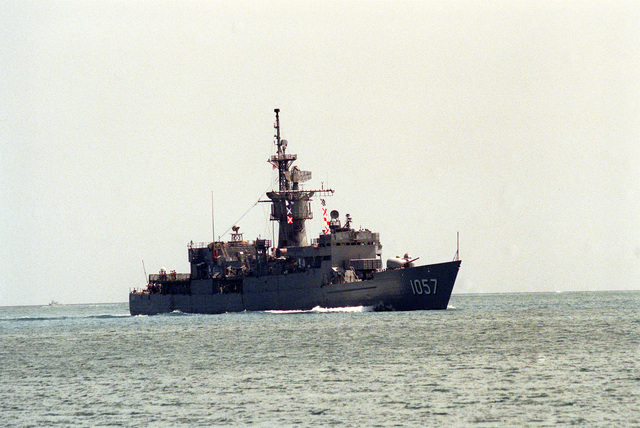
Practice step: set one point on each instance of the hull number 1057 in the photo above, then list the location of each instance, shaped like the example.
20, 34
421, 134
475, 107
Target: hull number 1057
424, 286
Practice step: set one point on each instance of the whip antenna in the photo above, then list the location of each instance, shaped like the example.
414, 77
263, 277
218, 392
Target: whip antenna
457, 256
213, 226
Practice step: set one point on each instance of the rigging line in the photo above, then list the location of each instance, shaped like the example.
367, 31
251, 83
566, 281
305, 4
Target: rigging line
247, 211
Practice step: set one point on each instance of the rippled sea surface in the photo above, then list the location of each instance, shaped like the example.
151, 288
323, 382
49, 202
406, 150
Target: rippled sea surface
489, 360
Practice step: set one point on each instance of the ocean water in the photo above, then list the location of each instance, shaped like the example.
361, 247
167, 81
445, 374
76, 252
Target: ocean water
489, 360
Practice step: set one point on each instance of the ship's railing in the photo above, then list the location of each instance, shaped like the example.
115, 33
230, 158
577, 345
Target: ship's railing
284, 157
167, 277
192, 244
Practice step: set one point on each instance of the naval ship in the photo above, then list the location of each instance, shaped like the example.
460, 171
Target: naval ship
341, 268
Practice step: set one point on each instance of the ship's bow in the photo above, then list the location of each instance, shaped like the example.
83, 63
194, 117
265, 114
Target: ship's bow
421, 287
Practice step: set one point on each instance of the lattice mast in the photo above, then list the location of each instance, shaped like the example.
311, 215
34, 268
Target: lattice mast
290, 205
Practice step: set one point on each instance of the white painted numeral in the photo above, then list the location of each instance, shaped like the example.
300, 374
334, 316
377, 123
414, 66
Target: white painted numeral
424, 286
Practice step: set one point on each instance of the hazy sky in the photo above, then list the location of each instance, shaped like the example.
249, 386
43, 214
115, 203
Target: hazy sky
515, 123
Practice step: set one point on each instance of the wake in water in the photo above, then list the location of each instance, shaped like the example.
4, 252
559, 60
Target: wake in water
319, 309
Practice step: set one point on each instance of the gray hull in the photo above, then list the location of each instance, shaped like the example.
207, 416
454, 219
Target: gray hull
340, 268
414, 288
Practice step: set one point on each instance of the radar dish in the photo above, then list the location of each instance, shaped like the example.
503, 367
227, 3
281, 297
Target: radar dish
301, 176
335, 214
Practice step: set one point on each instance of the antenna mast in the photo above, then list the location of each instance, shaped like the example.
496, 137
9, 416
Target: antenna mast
277, 126
213, 228
283, 161
290, 204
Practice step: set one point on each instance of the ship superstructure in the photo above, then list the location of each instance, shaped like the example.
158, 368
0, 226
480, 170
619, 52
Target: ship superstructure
342, 267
